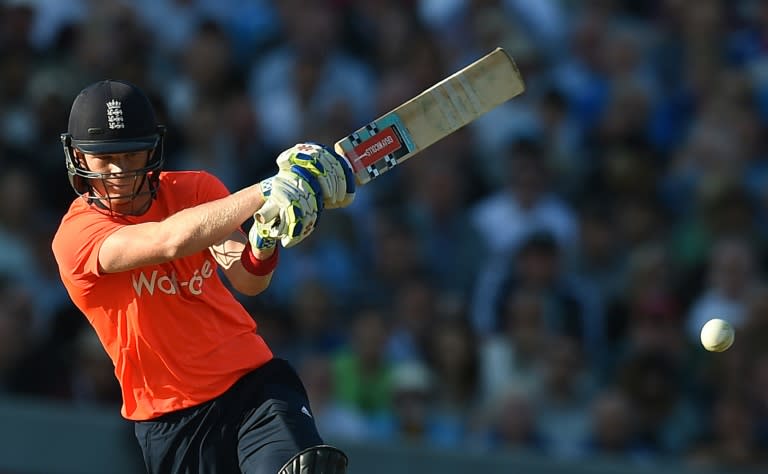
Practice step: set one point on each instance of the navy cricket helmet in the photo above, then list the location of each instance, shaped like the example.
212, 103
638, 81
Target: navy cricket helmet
111, 117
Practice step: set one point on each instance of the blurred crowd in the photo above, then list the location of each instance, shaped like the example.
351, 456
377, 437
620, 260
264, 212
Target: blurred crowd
534, 282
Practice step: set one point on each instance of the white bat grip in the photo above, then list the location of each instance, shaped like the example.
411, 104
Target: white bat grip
267, 214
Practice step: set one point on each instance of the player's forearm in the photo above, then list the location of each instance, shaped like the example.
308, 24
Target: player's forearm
246, 283
229, 254
187, 232
199, 227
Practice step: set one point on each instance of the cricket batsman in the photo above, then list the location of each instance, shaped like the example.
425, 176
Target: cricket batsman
138, 252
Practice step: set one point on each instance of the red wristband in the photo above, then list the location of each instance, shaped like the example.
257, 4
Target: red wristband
255, 266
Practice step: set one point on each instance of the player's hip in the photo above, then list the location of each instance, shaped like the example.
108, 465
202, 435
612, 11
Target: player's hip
249, 423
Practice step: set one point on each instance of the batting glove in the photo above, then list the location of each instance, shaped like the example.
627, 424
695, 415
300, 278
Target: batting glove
332, 171
290, 211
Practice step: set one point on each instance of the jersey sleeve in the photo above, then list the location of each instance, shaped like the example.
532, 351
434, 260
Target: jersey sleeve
77, 243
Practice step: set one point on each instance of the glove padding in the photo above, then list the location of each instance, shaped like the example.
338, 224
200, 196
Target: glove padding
332, 171
293, 204
259, 242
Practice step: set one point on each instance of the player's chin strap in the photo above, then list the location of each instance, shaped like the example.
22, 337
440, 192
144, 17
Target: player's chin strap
321, 459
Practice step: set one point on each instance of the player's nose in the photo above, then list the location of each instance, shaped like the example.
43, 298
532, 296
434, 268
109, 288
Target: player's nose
119, 164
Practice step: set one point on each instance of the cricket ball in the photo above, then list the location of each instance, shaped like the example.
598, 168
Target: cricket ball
717, 335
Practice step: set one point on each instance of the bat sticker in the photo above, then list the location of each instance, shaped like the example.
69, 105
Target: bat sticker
379, 145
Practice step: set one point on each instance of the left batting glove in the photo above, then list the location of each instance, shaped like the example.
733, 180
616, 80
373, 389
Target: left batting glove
332, 171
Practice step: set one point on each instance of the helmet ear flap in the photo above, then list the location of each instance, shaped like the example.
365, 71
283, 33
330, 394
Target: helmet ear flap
79, 184
157, 159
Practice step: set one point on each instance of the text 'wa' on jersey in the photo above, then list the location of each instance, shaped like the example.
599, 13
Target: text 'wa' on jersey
175, 333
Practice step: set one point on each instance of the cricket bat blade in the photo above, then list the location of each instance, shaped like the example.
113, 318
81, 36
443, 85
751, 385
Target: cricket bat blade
432, 115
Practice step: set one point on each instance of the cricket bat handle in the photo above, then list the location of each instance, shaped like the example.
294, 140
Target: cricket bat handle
268, 214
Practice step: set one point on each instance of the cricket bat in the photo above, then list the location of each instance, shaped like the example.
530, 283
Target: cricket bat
432, 115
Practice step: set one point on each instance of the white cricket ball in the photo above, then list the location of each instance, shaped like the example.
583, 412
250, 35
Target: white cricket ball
717, 335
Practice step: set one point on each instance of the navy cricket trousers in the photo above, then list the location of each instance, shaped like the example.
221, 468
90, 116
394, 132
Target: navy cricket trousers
255, 427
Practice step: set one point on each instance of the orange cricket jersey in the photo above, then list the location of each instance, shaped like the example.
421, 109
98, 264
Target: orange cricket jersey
176, 335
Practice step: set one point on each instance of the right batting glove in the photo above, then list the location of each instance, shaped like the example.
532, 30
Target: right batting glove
293, 202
